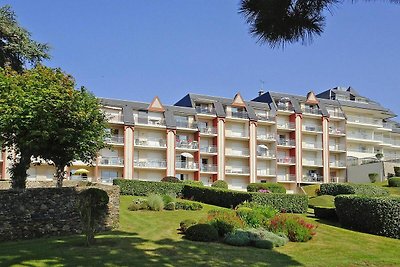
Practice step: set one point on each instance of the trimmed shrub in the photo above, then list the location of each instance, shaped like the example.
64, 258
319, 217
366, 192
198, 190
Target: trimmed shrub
170, 206
185, 224
195, 183
374, 215
272, 187
255, 237
373, 177
396, 171
322, 201
155, 202
144, 188
255, 215
230, 199
297, 229
202, 232
394, 182
238, 238
225, 221
170, 179
327, 213
181, 205
220, 184
357, 189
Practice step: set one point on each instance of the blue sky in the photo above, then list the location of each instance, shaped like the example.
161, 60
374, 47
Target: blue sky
135, 50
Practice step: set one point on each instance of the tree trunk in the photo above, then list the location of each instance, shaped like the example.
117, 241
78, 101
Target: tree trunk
60, 173
18, 172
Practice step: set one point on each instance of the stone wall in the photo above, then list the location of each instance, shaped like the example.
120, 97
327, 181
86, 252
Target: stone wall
41, 211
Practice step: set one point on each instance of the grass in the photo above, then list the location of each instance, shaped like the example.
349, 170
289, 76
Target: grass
322, 201
150, 238
392, 190
311, 190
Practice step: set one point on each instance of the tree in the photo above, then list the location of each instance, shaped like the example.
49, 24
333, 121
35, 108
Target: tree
16, 46
278, 22
42, 115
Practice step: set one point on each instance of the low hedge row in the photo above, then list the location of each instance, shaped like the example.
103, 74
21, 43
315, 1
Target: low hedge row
335, 189
394, 182
273, 187
327, 213
374, 215
230, 199
144, 188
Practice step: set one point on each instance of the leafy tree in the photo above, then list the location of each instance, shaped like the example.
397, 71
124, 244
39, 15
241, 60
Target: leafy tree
16, 46
278, 22
44, 116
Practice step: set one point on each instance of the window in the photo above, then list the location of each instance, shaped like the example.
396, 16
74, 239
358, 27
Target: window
108, 176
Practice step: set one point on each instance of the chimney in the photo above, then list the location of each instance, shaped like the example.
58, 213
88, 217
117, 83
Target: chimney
260, 92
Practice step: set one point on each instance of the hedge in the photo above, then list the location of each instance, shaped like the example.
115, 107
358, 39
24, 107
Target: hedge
327, 213
230, 199
273, 187
143, 188
374, 215
394, 182
335, 189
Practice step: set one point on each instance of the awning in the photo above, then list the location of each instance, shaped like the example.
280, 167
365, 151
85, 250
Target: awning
187, 155
81, 171
263, 146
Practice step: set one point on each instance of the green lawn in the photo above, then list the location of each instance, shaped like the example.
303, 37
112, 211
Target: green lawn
148, 238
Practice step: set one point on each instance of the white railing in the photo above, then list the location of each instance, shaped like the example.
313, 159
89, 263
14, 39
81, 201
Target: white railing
186, 124
316, 178
238, 114
286, 178
360, 150
209, 149
111, 161
209, 111
284, 107
311, 145
113, 117
286, 160
151, 142
339, 163
234, 152
286, 125
237, 170
150, 121
187, 165
266, 137
336, 130
208, 130
337, 147
336, 114
337, 179
265, 117
360, 136
265, 172
150, 163
312, 128
114, 139
312, 162
265, 154
364, 120
185, 144
208, 168
313, 111
231, 133
286, 142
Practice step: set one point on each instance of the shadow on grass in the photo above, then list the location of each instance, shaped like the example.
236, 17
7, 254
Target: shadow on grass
118, 248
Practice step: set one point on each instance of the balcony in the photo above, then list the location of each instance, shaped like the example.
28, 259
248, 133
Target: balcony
114, 139
284, 107
312, 111
286, 178
244, 152
237, 170
286, 125
266, 137
312, 128
114, 118
187, 145
337, 164
151, 142
265, 117
238, 114
187, 165
208, 168
335, 147
266, 172
365, 120
336, 114
337, 179
361, 150
286, 142
312, 162
230, 133
315, 145
150, 164
285, 160
204, 110
150, 121
111, 161
186, 124
336, 131
362, 137
208, 130
312, 178
208, 149
265, 154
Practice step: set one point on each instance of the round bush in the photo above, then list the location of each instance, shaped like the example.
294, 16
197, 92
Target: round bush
238, 238
224, 221
202, 232
252, 218
185, 224
394, 182
170, 206
272, 187
220, 184
170, 179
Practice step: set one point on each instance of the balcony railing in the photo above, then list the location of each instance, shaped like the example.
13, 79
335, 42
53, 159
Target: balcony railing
208, 111
286, 125
233, 152
150, 121
187, 165
231, 133
337, 163
286, 142
114, 139
107, 180
336, 114
266, 137
313, 111
208, 168
186, 145
265, 172
312, 128
361, 150
209, 149
286, 178
208, 130
186, 124
265, 117
111, 161
364, 120
313, 178
238, 114
286, 160
363, 137
336, 130
265, 154
150, 163
337, 179
337, 147
284, 107
237, 170
312, 162
151, 142
312, 145
113, 117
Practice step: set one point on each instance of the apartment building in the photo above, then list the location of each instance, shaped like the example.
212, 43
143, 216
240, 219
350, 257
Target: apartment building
275, 137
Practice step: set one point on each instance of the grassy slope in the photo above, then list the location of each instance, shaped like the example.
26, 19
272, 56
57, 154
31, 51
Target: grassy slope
150, 239
322, 201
